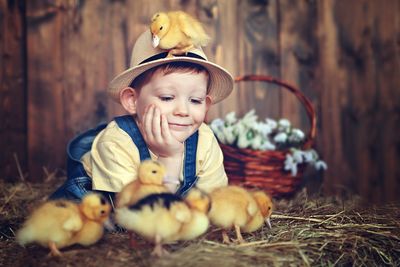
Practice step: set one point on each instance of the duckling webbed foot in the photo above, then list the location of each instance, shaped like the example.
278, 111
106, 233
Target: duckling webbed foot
179, 51
225, 237
54, 250
239, 236
159, 251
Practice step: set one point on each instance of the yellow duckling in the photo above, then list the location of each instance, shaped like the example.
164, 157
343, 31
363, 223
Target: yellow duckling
150, 180
199, 204
177, 32
61, 223
235, 207
156, 217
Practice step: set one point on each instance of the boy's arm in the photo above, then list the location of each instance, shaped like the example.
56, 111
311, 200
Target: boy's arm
113, 164
212, 172
156, 133
173, 165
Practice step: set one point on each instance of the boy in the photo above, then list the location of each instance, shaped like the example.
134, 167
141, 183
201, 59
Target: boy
167, 100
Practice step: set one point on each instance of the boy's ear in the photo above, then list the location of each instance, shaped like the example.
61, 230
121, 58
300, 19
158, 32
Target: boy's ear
208, 105
128, 97
208, 102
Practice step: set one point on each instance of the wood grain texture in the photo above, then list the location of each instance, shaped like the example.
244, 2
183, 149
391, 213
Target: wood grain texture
298, 53
13, 132
369, 55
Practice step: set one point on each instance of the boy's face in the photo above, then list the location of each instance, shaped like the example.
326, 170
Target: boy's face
181, 97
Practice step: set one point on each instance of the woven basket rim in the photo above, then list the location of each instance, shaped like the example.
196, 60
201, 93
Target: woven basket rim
307, 104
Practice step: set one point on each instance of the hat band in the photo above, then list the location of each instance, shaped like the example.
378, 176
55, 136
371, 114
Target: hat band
164, 55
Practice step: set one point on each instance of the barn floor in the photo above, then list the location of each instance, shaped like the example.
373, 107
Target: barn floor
306, 231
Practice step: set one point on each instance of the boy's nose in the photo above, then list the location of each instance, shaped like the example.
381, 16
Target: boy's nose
181, 109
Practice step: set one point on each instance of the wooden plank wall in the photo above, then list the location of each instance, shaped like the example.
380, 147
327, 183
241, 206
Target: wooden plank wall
13, 95
58, 57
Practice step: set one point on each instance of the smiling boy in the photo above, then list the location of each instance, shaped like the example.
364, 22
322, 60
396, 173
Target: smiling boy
166, 99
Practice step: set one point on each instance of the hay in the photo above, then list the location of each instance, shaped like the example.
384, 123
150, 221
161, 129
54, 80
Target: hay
305, 232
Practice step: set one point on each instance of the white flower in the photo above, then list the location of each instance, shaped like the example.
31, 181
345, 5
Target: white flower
267, 145
284, 125
220, 137
243, 142
229, 135
263, 128
230, 118
290, 164
271, 123
249, 118
239, 129
296, 135
298, 155
256, 142
217, 125
280, 138
309, 155
320, 165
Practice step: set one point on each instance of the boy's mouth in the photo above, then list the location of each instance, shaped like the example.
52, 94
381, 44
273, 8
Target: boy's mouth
178, 126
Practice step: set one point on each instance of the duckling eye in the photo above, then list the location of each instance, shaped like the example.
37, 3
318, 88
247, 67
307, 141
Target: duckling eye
154, 171
269, 208
102, 201
161, 28
102, 211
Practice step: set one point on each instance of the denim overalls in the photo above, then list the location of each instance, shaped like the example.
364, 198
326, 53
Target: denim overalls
79, 183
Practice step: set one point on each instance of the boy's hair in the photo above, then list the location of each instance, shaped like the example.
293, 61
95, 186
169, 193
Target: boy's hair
168, 68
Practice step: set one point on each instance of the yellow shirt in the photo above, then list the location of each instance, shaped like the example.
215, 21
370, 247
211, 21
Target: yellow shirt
114, 159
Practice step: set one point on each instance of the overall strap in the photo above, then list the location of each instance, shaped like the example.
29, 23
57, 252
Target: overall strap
189, 170
128, 124
82, 143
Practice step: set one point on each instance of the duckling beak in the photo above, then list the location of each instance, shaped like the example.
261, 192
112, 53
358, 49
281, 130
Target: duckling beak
156, 41
267, 220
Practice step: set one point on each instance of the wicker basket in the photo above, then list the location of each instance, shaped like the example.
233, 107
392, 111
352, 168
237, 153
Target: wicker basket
265, 169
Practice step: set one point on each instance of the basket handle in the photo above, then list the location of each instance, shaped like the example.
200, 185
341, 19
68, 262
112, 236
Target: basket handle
302, 98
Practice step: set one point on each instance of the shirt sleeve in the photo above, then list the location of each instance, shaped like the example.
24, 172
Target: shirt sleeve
114, 160
211, 170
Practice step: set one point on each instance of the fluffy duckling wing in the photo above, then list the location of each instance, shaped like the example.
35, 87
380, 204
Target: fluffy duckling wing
157, 215
199, 203
54, 221
194, 228
193, 29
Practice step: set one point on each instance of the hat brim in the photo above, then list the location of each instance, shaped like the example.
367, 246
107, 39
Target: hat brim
220, 86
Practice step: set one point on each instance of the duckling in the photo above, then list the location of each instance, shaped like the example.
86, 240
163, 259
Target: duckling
150, 180
156, 217
60, 223
177, 32
234, 206
199, 203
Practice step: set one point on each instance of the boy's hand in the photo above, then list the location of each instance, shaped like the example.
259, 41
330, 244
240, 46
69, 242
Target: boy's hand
157, 135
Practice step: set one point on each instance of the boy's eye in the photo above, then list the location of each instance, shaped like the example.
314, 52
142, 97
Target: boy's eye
166, 98
196, 100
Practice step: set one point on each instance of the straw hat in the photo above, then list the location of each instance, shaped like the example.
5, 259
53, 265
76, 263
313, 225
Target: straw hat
145, 57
